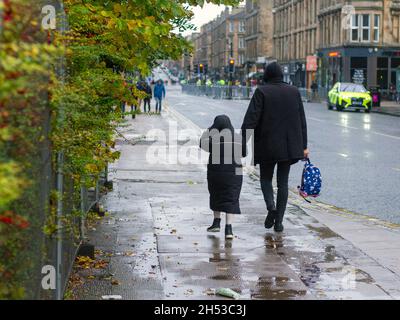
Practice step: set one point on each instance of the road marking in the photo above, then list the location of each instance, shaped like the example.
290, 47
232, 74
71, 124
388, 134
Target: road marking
385, 135
315, 119
396, 169
343, 155
355, 128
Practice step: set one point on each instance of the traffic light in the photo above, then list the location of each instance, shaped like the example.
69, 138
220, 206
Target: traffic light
196, 68
188, 68
231, 66
206, 69
201, 68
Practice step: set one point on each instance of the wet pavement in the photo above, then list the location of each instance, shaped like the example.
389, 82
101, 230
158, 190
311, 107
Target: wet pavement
153, 243
389, 108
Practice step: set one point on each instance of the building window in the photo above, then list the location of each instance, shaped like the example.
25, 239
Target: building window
383, 73
241, 59
361, 28
355, 27
241, 43
242, 26
231, 26
359, 67
366, 25
377, 25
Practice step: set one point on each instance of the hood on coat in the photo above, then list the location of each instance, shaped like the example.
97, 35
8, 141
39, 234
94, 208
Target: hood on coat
273, 72
222, 122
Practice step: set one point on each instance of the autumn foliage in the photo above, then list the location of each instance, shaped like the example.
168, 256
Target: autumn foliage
60, 92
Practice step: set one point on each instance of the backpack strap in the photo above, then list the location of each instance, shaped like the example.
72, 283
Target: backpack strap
305, 199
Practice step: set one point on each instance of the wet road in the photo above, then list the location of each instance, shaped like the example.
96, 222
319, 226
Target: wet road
358, 154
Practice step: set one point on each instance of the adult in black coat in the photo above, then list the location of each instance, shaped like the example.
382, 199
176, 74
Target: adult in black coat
224, 170
276, 121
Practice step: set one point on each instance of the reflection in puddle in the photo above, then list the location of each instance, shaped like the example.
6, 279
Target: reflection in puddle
273, 241
276, 288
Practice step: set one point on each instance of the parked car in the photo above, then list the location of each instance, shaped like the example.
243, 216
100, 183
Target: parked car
349, 96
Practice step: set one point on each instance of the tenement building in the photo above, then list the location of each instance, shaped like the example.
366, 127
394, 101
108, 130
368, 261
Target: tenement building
259, 36
227, 36
295, 39
359, 42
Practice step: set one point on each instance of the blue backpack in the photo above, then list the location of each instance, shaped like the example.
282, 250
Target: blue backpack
311, 182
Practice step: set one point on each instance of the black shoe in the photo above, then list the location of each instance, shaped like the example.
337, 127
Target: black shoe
216, 226
278, 227
228, 232
270, 220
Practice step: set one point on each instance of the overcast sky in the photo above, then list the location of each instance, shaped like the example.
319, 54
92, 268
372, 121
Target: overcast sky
205, 14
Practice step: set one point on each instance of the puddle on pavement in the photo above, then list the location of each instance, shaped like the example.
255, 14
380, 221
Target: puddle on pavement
323, 232
276, 288
273, 242
310, 275
224, 277
267, 294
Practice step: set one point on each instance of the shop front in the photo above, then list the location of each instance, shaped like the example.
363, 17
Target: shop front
372, 67
295, 73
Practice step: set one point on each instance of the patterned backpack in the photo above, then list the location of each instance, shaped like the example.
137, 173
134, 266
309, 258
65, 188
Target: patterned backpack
311, 182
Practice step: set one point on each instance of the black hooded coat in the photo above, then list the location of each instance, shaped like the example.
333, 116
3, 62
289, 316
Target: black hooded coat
224, 170
276, 114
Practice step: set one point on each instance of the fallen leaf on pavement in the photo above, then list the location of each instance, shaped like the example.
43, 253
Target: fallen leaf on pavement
189, 292
210, 292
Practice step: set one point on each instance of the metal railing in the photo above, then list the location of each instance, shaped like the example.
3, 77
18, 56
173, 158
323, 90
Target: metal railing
245, 93
219, 92
318, 96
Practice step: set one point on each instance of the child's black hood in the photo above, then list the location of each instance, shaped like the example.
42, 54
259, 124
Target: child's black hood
222, 122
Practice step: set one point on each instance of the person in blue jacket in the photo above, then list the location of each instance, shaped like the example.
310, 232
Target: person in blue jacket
159, 95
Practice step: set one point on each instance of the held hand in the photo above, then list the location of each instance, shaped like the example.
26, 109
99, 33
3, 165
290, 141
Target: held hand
306, 153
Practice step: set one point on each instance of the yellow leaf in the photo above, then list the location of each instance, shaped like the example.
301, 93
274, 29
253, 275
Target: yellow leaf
132, 25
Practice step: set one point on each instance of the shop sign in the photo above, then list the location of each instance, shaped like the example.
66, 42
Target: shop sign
286, 69
359, 76
334, 54
312, 63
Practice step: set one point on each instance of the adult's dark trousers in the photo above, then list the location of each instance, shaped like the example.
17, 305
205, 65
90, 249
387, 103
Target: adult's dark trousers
158, 105
147, 103
133, 111
266, 176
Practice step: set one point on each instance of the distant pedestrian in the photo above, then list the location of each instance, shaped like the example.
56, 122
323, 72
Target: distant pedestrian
314, 89
134, 106
159, 95
278, 123
147, 99
224, 171
392, 92
140, 87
